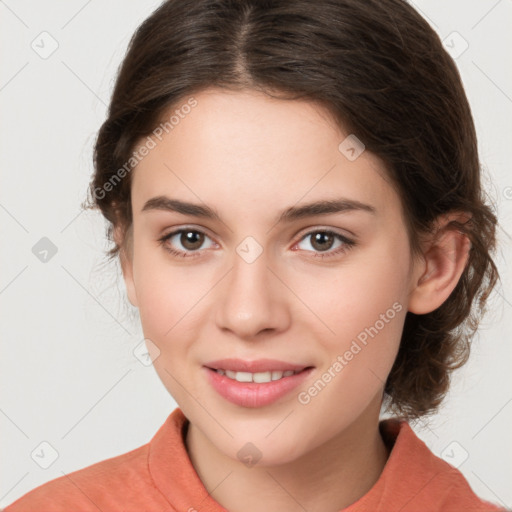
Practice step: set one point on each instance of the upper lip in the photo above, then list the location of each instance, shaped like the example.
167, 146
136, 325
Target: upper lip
259, 365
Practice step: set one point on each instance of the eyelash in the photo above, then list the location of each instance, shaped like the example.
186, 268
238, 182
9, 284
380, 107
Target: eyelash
347, 243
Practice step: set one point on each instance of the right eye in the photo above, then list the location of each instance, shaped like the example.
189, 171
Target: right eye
190, 240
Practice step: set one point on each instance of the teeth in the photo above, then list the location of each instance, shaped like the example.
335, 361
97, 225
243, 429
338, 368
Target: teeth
243, 376
262, 377
259, 377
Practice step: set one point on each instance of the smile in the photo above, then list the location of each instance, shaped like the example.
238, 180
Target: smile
255, 389
259, 377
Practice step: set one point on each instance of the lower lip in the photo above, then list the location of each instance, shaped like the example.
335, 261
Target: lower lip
254, 394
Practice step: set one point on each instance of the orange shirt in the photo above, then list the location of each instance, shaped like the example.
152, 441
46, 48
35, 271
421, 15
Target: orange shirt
159, 477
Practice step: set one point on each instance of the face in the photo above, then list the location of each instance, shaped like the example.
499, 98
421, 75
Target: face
322, 291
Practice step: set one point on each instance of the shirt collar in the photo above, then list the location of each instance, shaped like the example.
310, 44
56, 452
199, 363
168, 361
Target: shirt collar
174, 475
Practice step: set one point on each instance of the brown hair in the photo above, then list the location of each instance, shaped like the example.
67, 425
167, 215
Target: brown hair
383, 73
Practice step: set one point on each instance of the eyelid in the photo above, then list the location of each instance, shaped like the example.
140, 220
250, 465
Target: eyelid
178, 229
344, 233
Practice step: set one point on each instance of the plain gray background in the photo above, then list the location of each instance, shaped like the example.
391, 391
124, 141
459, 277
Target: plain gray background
69, 378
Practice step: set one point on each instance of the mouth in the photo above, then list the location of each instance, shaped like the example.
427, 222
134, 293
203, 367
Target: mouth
255, 383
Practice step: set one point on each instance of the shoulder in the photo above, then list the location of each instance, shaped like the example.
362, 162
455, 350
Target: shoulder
107, 485
423, 480
125, 483
458, 493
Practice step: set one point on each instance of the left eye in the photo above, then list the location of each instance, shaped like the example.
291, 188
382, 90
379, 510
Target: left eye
323, 241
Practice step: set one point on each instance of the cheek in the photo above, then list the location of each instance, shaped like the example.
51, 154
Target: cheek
360, 314
347, 300
169, 294
169, 299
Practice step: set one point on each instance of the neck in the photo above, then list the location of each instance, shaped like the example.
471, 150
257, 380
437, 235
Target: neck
326, 479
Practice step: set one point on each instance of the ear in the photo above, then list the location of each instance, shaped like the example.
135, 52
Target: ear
445, 256
125, 241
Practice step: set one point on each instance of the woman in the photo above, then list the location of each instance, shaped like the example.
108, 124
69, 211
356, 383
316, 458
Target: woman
293, 191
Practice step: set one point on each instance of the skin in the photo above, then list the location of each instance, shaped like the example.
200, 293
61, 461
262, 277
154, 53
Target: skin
250, 156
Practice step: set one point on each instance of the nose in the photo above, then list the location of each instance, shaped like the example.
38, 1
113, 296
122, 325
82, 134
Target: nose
252, 301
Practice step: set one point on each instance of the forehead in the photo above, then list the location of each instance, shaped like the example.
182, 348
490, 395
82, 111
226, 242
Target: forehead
258, 150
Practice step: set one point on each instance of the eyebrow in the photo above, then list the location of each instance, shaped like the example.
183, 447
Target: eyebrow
322, 207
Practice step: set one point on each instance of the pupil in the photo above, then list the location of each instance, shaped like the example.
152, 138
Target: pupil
191, 239
321, 237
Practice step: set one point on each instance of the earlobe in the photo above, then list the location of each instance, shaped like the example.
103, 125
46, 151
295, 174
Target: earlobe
444, 261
